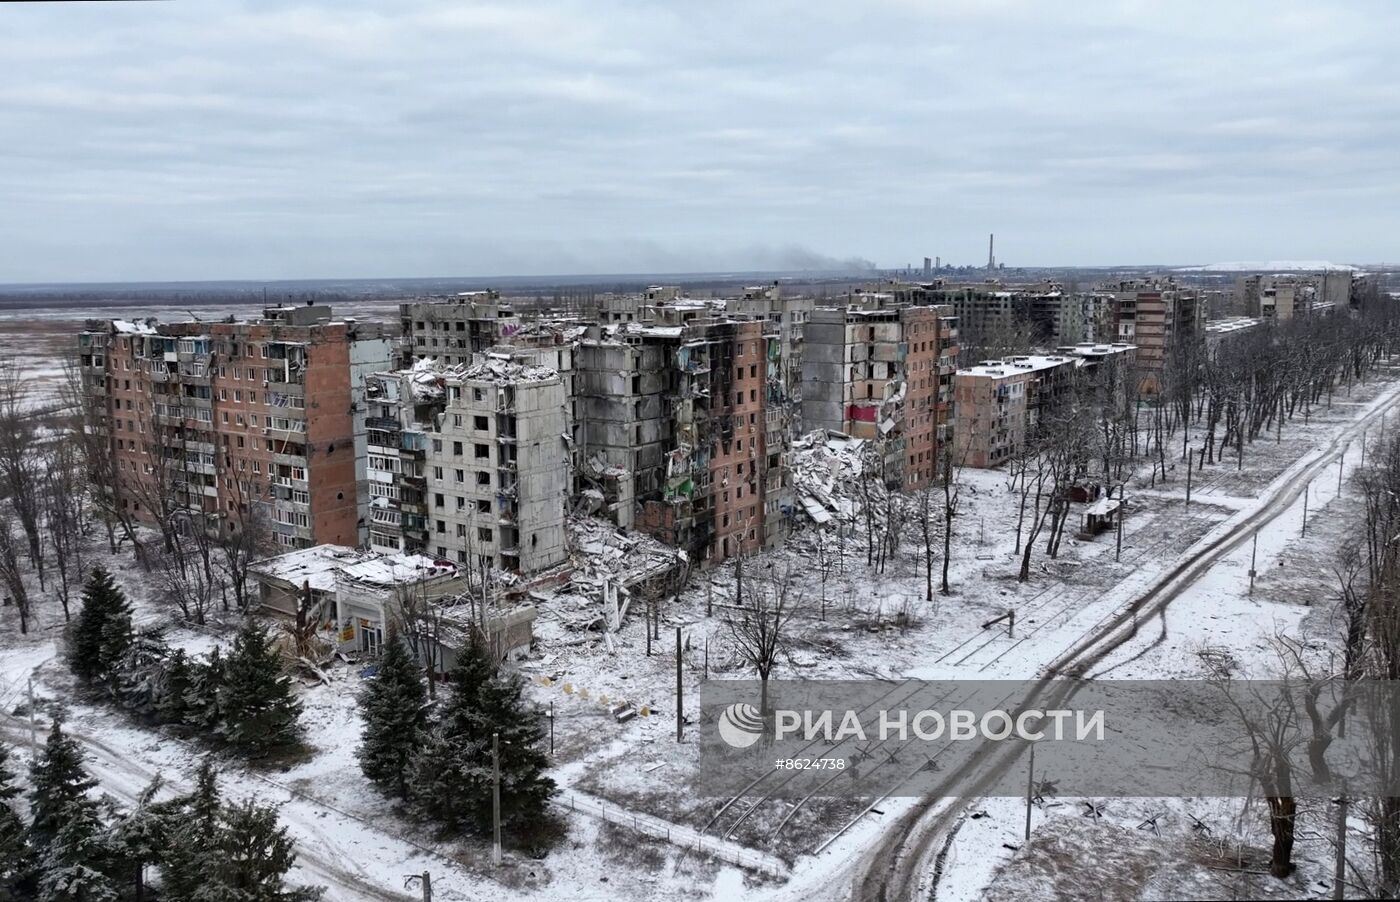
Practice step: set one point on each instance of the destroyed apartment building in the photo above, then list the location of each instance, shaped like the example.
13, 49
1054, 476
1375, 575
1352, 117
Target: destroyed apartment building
470, 463
686, 428
881, 369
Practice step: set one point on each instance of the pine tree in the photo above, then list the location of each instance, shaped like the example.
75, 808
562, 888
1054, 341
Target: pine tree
8, 789
394, 707
142, 835
202, 707
256, 856
78, 863
58, 787
137, 676
452, 776
444, 779
259, 711
227, 852
501, 708
195, 839
16, 862
117, 637
102, 628
172, 705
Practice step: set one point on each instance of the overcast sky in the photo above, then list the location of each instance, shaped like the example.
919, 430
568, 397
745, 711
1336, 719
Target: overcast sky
207, 139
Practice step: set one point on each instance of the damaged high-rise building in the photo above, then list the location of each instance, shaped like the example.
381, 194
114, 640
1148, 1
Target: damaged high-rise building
881, 368
686, 427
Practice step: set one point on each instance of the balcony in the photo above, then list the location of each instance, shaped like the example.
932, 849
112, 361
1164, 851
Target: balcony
383, 424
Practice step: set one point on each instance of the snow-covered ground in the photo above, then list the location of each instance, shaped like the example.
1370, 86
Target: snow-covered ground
872, 625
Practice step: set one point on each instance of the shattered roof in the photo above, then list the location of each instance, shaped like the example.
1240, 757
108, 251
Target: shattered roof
143, 327
321, 566
501, 369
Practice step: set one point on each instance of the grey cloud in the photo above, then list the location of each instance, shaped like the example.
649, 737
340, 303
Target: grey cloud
262, 139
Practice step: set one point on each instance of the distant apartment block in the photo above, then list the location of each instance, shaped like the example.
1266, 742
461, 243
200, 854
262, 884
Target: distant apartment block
1279, 298
451, 330
1154, 314
203, 419
1000, 403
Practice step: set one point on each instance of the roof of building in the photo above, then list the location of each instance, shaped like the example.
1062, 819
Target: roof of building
1089, 349
1010, 366
500, 368
142, 327
321, 566
1230, 324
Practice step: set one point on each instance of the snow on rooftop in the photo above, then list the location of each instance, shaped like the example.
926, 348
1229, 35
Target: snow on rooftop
1230, 324
316, 566
1032, 363
143, 327
1273, 266
320, 566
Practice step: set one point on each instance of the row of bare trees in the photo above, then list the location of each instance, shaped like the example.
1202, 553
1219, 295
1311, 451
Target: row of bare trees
44, 524
1254, 382
64, 486
1302, 723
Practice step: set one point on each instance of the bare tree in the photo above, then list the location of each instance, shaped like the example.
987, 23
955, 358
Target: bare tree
88, 435
19, 468
761, 624
245, 535
12, 573
928, 531
1272, 733
952, 489
186, 585
65, 498
419, 621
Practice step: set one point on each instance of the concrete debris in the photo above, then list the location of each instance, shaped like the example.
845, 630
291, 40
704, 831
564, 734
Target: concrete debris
826, 468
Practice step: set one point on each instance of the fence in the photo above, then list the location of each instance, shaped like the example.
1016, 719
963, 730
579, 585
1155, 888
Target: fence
684, 837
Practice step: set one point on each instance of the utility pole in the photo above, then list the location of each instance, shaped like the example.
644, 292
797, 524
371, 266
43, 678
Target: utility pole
647, 626
1307, 490
1118, 549
496, 797
1253, 557
425, 880
1339, 872
1341, 463
680, 722
1030, 791
1188, 477
551, 728
33, 729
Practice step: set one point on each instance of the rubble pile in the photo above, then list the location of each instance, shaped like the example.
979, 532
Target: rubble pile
826, 468
610, 566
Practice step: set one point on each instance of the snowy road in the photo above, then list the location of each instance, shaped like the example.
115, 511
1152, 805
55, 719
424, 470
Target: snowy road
897, 867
